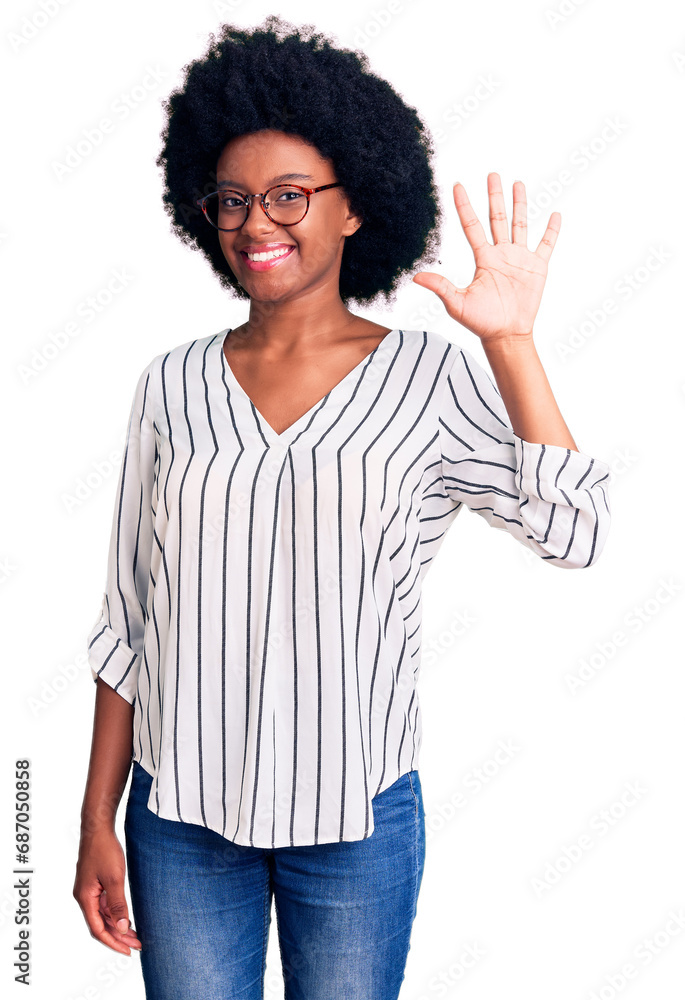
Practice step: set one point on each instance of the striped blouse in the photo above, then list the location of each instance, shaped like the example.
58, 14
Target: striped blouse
262, 610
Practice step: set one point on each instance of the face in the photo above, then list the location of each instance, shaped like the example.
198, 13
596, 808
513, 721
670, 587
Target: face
252, 163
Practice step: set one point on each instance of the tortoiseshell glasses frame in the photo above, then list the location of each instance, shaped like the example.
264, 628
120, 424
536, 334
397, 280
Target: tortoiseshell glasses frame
202, 202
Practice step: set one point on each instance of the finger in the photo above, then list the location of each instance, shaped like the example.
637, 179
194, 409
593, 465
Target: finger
131, 938
116, 929
450, 295
519, 222
498, 214
473, 230
96, 924
438, 283
113, 905
549, 238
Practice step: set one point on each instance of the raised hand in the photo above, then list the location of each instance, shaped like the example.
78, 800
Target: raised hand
502, 301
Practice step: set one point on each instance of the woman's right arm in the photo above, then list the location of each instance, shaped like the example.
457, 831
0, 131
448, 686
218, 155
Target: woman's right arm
115, 648
101, 866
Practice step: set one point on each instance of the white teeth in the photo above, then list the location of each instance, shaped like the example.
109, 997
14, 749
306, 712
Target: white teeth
269, 255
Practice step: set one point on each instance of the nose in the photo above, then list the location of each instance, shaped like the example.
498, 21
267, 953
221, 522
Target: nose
263, 222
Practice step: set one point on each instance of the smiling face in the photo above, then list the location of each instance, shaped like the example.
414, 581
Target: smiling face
252, 163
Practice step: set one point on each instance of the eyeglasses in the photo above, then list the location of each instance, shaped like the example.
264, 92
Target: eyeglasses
284, 204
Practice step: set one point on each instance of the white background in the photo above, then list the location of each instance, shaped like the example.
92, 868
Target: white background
504, 631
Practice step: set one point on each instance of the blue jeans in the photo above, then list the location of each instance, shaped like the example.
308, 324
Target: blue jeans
202, 904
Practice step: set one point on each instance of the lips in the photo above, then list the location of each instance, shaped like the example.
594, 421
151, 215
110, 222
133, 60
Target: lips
264, 247
267, 265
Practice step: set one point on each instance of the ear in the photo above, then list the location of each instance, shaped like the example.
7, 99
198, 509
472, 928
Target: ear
352, 224
353, 217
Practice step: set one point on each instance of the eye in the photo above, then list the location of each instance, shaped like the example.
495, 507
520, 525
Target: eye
231, 201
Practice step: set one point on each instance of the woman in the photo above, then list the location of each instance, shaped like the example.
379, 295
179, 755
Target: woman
285, 487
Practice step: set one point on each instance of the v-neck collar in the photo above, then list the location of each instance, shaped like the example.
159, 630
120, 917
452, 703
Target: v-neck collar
286, 436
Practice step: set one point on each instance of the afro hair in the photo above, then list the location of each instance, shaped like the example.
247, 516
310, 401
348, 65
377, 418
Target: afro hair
299, 82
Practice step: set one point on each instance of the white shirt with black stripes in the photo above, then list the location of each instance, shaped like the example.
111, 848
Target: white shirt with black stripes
262, 608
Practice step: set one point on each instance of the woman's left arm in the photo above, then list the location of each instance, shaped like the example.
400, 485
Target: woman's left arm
500, 306
534, 483
527, 394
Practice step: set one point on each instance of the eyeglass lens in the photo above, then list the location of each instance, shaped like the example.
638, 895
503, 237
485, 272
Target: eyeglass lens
228, 210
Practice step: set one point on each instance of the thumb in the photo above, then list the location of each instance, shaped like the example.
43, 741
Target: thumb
449, 294
116, 908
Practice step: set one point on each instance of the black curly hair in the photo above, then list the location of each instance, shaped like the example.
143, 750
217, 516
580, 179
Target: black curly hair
250, 80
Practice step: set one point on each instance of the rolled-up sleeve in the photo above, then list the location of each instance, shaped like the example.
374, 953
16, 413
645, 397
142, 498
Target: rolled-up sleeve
115, 643
550, 498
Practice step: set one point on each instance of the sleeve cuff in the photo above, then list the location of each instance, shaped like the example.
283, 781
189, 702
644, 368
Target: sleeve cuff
115, 662
556, 474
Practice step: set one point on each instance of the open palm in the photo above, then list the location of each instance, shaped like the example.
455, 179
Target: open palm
504, 296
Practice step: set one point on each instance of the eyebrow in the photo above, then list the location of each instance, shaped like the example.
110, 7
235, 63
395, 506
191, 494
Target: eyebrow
274, 180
